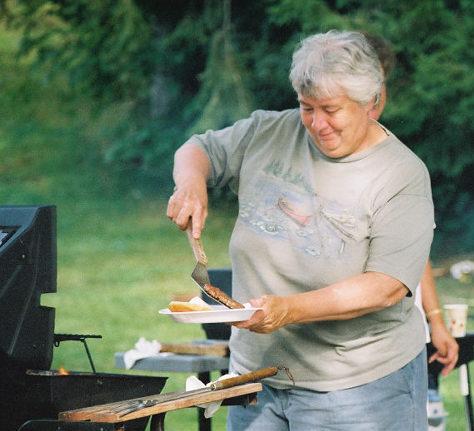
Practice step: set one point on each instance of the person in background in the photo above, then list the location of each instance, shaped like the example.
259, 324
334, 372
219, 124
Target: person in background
334, 229
447, 349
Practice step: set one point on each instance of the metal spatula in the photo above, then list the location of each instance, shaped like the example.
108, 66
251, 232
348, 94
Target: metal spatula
199, 274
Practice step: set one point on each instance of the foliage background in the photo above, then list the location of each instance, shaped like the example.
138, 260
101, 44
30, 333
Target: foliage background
154, 72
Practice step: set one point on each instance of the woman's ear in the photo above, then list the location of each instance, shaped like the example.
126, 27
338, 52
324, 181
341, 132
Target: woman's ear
373, 109
377, 104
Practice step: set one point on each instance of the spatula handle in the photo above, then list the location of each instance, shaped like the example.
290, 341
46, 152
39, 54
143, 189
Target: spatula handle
253, 376
196, 245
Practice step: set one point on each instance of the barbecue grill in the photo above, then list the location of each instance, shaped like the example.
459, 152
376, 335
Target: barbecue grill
31, 394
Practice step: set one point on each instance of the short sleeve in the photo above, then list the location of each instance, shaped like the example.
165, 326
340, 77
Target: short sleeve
225, 149
402, 228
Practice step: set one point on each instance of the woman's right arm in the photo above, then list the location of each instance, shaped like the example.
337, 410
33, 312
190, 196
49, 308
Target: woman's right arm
189, 200
193, 168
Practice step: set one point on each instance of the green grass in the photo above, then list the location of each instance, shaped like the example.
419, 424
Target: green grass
120, 262
118, 265
451, 291
453, 401
119, 258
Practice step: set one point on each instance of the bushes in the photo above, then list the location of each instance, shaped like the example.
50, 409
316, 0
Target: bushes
199, 64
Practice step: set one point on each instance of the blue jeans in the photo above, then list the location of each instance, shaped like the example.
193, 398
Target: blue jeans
396, 402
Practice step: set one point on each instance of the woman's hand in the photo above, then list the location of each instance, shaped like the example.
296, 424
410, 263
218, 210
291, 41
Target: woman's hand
189, 202
275, 314
447, 349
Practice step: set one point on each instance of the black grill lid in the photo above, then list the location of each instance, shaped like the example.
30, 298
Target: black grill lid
27, 269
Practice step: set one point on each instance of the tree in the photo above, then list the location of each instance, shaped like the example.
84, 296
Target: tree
190, 65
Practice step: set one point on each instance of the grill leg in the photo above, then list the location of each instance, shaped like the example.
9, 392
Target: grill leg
204, 423
158, 422
89, 356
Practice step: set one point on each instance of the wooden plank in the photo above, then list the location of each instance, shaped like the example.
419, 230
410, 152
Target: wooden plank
105, 412
209, 349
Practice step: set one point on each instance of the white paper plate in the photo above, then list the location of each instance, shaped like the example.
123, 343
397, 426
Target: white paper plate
217, 314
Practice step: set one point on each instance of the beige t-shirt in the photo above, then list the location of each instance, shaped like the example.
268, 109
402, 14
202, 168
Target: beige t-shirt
306, 221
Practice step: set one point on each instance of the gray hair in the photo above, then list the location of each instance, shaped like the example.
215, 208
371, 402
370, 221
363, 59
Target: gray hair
337, 63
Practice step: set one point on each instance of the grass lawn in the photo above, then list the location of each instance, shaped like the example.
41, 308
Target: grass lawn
120, 261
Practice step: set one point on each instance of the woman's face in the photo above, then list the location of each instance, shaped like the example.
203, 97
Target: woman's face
338, 126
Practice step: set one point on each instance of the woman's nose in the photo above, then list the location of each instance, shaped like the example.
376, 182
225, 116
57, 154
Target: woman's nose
318, 121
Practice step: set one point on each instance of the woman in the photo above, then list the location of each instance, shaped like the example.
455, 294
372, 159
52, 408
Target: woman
334, 228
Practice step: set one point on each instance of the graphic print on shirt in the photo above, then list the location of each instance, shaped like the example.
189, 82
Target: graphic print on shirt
290, 212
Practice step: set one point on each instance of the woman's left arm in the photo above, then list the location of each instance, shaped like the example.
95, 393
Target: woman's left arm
349, 298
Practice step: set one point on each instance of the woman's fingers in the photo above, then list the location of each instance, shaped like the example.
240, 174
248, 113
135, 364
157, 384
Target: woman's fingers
184, 205
272, 316
449, 359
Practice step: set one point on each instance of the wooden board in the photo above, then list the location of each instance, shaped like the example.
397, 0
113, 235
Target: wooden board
105, 412
204, 349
